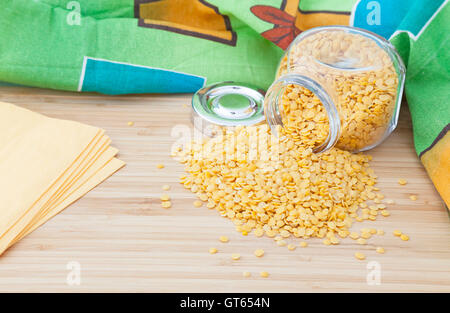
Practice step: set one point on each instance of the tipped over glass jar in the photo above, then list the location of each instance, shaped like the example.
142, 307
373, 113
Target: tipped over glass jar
336, 86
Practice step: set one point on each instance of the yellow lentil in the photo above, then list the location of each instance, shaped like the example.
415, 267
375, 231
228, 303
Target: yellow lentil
291, 247
404, 237
281, 243
259, 253
402, 181
354, 235
165, 187
303, 244
360, 256
160, 166
343, 234
380, 232
380, 250
385, 213
246, 274
235, 256
223, 239
334, 241
165, 197
362, 241
397, 233
166, 204
213, 250
264, 274
198, 203
258, 232
413, 197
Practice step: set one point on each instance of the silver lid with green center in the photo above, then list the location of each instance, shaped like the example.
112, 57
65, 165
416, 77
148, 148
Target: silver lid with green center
227, 104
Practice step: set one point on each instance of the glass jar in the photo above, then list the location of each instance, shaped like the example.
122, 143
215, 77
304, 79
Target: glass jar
336, 86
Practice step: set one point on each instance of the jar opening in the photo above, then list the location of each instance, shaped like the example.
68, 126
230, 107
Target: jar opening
320, 130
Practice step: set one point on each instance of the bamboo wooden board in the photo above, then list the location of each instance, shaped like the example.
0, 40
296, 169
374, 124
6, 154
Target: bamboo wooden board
125, 242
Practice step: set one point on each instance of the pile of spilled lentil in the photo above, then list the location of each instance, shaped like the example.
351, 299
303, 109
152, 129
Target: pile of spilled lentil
275, 188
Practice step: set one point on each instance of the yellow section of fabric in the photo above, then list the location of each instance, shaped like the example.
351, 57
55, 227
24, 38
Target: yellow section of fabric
437, 163
189, 17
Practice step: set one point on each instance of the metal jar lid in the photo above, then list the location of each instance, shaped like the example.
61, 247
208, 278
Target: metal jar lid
227, 104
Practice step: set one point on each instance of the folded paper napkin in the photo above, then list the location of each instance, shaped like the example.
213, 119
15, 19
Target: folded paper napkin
167, 46
46, 164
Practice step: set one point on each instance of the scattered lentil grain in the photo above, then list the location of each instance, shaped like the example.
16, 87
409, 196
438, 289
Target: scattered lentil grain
165, 197
223, 239
258, 232
264, 274
213, 250
380, 250
404, 237
235, 256
259, 253
166, 204
360, 256
362, 241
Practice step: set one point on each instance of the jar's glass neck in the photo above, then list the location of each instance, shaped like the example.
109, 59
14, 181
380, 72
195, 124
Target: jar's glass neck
272, 106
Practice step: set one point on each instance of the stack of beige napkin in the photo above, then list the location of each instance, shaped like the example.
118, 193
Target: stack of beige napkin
45, 165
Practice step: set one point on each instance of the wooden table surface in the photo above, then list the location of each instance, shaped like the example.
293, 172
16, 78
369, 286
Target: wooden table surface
124, 241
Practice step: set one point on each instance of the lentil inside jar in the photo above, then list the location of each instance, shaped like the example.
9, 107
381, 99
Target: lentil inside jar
361, 77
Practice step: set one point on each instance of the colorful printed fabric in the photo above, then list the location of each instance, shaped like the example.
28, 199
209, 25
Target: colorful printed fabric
177, 46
